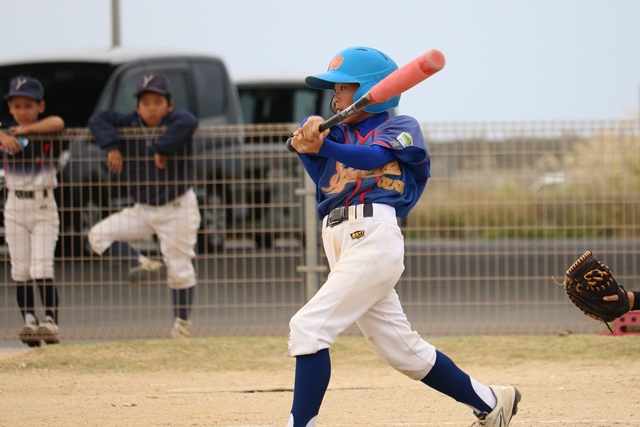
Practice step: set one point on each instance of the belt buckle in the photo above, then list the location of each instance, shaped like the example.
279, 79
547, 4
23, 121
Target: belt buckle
336, 216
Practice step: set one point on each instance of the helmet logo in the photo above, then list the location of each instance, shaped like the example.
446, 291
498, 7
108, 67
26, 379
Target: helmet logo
335, 63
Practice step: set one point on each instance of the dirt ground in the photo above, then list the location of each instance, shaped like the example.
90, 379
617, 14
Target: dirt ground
595, 394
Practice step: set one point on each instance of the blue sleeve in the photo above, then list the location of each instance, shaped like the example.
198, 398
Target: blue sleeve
404, 137
180, 126
104, 126
314, 165
361, 157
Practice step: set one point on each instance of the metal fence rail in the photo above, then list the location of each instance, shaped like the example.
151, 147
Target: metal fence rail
509, 205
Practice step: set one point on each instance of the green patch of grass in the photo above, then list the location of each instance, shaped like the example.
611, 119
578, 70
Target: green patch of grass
270, 353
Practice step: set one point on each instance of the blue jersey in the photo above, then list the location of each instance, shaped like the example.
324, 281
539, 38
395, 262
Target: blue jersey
398, 183
149, 184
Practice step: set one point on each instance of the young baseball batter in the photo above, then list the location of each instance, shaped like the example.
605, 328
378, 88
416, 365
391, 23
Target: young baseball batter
160, 173
31, 213
369, 170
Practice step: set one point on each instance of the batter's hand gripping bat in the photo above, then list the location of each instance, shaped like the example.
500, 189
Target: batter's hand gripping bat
401, 80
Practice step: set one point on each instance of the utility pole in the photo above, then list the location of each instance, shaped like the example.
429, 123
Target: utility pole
115, 23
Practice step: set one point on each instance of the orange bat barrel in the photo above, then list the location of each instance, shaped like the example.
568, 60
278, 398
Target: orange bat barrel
407, 76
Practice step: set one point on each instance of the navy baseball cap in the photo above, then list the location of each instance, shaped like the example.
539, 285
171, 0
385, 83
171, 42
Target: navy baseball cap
152, 83
25, 86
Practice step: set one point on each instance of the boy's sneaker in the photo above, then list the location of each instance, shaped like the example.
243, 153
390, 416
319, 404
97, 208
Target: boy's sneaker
147, 272
48, 332
506, 407
181, 328
29, 335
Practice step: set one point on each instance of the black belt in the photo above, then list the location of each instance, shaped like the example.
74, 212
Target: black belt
20, 194
338, 215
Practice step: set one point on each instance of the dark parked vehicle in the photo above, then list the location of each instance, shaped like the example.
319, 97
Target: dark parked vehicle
273, 100
280, 99
77, 84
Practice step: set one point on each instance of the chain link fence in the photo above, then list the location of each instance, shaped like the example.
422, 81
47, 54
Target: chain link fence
508, 207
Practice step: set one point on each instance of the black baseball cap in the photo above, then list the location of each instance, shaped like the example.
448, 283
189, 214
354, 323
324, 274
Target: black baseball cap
152, 83
25, 86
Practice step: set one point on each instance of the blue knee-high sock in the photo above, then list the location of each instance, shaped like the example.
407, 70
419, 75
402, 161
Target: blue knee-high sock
447, 378
124, 252
313, 372
182, 301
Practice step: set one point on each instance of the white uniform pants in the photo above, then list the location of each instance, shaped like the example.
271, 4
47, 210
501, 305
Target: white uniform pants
366, 260
175, 224
31, 232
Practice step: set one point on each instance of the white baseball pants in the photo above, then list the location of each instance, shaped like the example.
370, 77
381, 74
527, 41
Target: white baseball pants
31, 232
366, 260
175, 224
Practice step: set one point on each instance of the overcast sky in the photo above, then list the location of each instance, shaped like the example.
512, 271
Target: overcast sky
506, 59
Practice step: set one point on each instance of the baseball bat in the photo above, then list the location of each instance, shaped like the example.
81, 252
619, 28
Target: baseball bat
401, 80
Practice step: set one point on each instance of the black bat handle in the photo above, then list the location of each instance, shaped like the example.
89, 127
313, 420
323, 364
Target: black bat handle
323, 126
289, 147
359, 105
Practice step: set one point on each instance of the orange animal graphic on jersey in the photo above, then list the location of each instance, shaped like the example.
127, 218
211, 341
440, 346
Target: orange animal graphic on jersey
345, 175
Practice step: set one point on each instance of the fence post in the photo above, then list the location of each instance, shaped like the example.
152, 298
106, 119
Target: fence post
311, 266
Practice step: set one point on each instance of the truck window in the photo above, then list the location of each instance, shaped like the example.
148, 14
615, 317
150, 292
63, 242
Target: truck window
306, 103
279, 104
212, 88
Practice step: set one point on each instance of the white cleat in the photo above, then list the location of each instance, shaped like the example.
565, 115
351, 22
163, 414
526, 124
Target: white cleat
507, 398
148, 272
181, 328
311, 423
29, 335
49, 333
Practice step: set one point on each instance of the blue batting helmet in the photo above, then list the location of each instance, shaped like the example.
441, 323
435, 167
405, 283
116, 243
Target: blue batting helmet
362, 65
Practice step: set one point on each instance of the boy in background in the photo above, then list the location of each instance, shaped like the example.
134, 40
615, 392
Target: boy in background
31, 214
159, 171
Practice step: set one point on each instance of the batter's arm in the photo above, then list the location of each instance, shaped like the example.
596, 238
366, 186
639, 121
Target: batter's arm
362, 157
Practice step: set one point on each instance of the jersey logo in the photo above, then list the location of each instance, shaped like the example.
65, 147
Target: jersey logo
345, 175
335, 63
403, 140
357, 234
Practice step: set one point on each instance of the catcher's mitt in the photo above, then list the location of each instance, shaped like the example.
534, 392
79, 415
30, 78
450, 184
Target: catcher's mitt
587, 281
